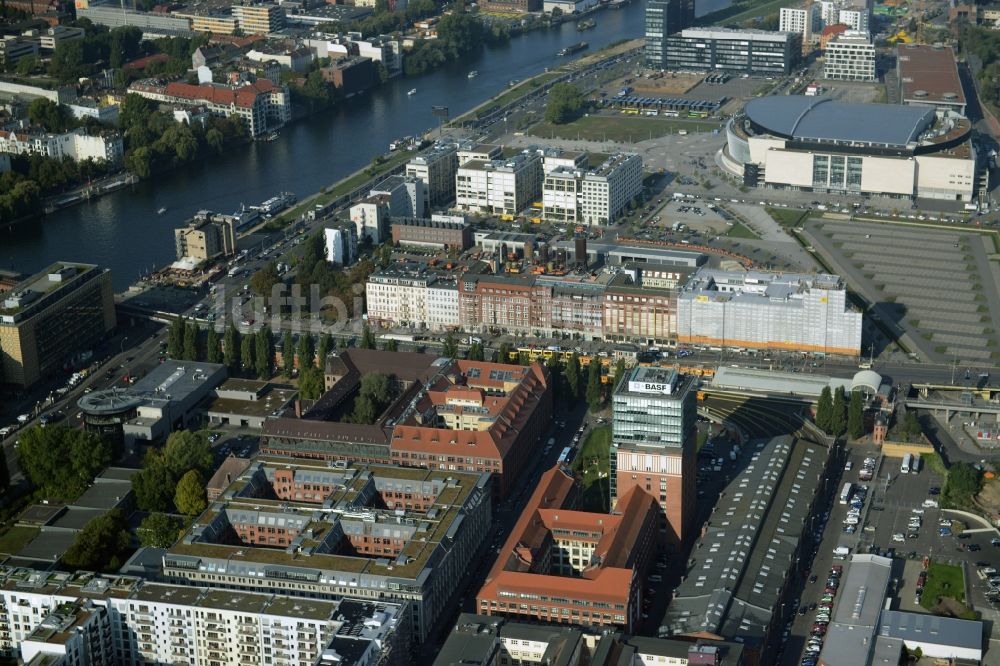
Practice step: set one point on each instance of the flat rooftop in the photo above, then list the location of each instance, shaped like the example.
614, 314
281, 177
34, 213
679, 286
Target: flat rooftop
929, 74
28, 296
851, 636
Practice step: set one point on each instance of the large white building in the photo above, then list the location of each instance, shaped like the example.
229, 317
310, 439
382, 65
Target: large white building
76, 145
759, 310
371, 218
592, 195
503, 187
850, 57
816, 143
802, 21
85, 619
341, 243
412, 296
856, 18
436, 168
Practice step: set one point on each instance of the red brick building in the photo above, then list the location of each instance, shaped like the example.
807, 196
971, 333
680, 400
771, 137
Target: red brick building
565, 566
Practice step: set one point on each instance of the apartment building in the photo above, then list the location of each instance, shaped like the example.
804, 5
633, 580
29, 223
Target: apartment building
446, 232
592, 196
86, 619
385, 533
397, 295
205, 237
631, 313
856, 19
804, 21
573, 567
503, 187
52, 315
405, 194
340, 241
259, 19
724, 49
759, 310
436, 168
653, 445
850, 57
262, 105
484, 152
504, 409
77, 145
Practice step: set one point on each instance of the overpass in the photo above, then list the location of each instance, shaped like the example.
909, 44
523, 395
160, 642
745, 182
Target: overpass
984, 392
971, 405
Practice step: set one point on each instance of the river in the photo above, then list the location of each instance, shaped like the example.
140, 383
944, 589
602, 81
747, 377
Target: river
123, 231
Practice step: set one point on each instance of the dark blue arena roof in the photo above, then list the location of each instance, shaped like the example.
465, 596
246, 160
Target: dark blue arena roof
823, 119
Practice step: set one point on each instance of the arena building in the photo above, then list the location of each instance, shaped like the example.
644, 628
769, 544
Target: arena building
818, 144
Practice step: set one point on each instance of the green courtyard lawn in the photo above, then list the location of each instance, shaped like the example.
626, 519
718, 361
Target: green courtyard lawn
788, 217
16, 538
592, 464
943, 580
740, 230
620, 128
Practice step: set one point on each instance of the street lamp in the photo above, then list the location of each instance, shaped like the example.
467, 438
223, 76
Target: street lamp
122, 350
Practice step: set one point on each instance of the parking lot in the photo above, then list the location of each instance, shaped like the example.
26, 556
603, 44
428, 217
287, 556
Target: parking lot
948, 307
893, 501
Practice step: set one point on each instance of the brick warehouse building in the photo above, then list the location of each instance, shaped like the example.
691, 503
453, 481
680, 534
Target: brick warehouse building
445, 414
565, 566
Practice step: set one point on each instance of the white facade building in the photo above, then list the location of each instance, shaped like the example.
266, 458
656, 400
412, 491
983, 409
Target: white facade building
759, 310
503, 187
850, 57
341, 244
857, 19
436, 168
124, 620
405, 194
592, 196
371, 218
412, 296
76, 145
802, 21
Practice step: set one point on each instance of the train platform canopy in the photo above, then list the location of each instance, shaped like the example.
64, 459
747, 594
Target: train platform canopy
773, 382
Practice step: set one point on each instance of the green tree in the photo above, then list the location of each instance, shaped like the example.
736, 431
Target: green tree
390, 346
367, 337
364, 410
824, 409
476, 352
101, 544
594, 385
911, 426
212, 352
573, 378
377, 387
25, 66
311, 383
287, 355
191, 334
175, 339
264, 280
246, 352
838, 414
325, 345
158, 530
190, 496
503, 355
53, 117
555, 367
215, 140
231, 347
154, 484
619, 373
186, 450
62, 461
450, 348
565, 103
962, 484
305, 350
264, 354
855, 416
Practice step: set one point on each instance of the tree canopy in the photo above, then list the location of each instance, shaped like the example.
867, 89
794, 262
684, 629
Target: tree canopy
962, 484
565, 103
159, 530
190, 496
62, 461
101, 544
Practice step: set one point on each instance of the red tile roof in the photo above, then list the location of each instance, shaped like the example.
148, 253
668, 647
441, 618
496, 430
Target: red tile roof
142, 63
242, 96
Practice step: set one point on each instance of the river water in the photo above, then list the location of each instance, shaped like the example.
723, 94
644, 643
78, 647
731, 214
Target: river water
123, 231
